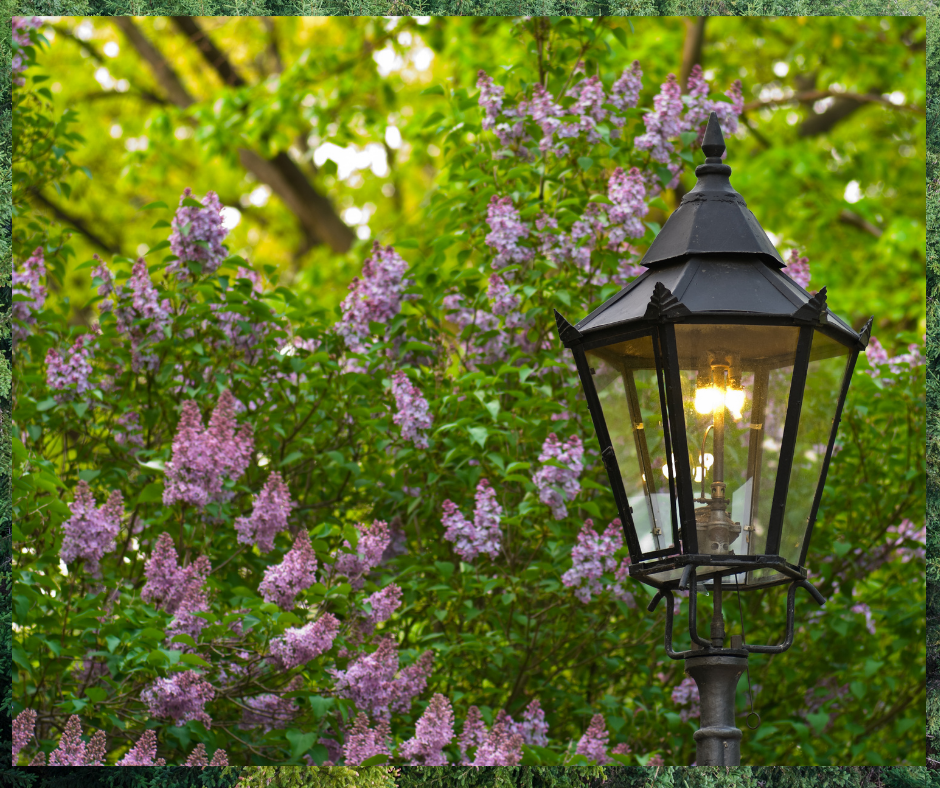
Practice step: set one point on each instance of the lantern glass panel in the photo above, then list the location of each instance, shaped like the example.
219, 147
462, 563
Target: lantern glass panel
735, 383
625, 378
827, 369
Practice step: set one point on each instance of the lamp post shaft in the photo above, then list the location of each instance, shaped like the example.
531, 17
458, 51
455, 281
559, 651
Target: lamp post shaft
718, 741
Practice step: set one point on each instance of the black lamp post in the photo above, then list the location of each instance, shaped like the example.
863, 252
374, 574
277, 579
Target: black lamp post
716, 385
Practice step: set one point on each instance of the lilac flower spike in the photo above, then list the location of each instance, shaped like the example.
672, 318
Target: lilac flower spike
473, 734
593, 744
363, 742
26, 283
383, 604
798, 269
533, 728
625, 92
686, 694
201, 457
500, 747
372, 541
270, 711
181, 698
591, 557
72, 751
144, 752
480, 536
413, 415
376, 296
662, 125
559, 485
507, 230
503, 300
433, 732
89, 533
627, 192
23, 727
294, 574
299, 645
197, 235
72, 373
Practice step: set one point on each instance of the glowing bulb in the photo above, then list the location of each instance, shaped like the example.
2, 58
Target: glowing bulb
698, 473
709, 460
708, 400
734, 401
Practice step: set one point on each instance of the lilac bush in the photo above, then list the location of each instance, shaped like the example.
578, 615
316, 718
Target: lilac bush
197, 234
90, 533
558, 483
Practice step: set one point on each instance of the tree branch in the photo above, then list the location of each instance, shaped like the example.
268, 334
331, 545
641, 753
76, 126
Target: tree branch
162, 70
63, 216
849, 217
692, 49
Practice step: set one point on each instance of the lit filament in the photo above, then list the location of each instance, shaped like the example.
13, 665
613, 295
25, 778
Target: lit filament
709, 399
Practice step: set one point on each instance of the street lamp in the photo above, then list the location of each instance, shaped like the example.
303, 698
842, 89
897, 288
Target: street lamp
715, 384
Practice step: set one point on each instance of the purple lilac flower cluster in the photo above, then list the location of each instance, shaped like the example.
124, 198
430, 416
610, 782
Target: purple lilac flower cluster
182, 698
555, 484
591, 557
533, 728
89, 533
376, 296
197, 235
136, 301
863, 609
413, 415
144, 752
132, 434
499, 746
906, 531
382, 604
21, 27
26, 284
296, 573
686, 694
370, 545
487, 351
72, 751
506, 231
178, 590
270, 509
239, 334
371, 683
798, 269
270, 711
878, 357
299, 645
480, 536
363, 742
593, 744
202, 457
433, 732
199, 757
504, 301
23, 727
71, 374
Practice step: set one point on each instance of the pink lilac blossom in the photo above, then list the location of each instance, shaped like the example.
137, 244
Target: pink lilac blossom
878, 357
72, 751
588, 106
21, 25
798, 269
271, 711
491, 99
199, 757
375, 296
504, 302
202, 457
239, 333
686, 694
655, 761
181, 698
23, 727
627, 192
625, 92
433, 732
299, 645
728, 114
197, 235
499, 747
26, 284
863, 609
73, 373
89, 533
383, 603
167, 584
698, 107
370, 545
593, 744
132, 434
143, 752
487, 351
622, 749
363, 742
533, 729
663, 124
371, 683
591, 557
185, 621
296, 573
270, 510
480, 536
507, 230
413, 415
906, 531
473, 733
558, 485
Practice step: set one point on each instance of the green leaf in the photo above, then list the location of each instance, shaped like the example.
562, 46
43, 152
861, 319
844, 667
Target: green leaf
621, 35
156, 465
585, 162
479, 435
375, 760
89, 475
445, 568
194, 659
152, 493
434, 90
96, 694
152, 633
162, 245
292, 457
46, 404
189, 202
182, 637
300, 742
158, 204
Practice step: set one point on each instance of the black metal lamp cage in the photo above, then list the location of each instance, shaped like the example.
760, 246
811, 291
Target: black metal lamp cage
715, 384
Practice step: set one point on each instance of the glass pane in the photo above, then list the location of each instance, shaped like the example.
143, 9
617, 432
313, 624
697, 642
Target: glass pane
735, 383
827, 368
625, 378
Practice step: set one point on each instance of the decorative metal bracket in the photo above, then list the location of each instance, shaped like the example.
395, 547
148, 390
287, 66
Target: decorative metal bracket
738, 649
865, 334
568, 334
664, 305
813, 311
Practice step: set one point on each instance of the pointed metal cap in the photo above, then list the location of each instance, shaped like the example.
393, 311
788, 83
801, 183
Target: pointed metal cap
712, 218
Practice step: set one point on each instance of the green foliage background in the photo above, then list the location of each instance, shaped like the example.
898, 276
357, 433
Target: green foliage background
500, 7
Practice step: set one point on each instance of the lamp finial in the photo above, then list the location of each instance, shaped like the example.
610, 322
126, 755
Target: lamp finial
713, 144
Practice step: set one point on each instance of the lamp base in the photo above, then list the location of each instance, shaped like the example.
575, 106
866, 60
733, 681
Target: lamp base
718, 741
